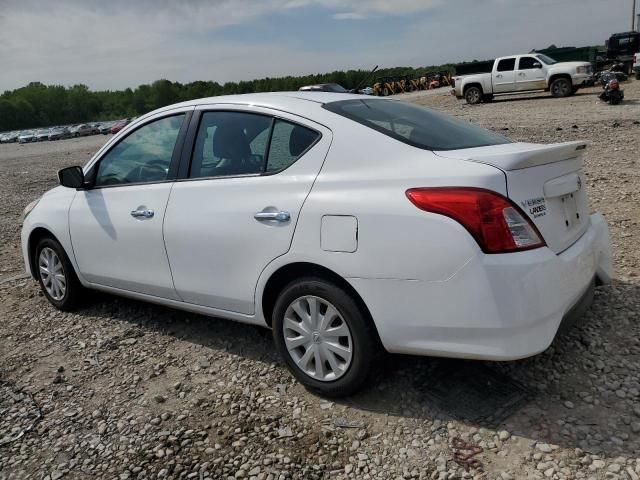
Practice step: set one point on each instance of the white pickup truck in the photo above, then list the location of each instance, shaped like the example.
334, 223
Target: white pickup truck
523, 73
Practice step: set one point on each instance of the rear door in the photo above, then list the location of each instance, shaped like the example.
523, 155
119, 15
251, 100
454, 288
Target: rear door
251, 170
530, 74
504, 75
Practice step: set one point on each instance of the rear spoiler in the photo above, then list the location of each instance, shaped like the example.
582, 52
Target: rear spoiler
516, 156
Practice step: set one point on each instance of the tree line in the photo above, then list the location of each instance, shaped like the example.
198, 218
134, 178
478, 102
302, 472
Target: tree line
39, 105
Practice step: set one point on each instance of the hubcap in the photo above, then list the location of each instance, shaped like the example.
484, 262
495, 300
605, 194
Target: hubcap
52, 273
317, 338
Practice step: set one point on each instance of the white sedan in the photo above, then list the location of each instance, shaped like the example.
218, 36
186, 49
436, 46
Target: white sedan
348, 225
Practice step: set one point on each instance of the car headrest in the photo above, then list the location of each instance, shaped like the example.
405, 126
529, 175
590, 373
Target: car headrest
229, 141
300, 140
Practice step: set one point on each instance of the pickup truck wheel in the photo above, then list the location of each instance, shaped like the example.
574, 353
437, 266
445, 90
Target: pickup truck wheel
561, 87
473, 95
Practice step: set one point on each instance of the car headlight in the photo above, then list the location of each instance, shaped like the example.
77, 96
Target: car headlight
29, 208
581, 70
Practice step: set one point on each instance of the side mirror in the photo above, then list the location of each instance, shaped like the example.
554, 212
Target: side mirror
71, 177
537, 65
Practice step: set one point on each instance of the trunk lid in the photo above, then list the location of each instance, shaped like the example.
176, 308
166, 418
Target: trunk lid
545, 181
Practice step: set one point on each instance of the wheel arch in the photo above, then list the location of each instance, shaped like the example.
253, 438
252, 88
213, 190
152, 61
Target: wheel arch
289, 272
556, 76
35, 236
473, 84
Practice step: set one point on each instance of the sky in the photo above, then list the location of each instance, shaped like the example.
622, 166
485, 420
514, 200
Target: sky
114, 44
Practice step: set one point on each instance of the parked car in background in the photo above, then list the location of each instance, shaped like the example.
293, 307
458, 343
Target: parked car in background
42, 135
105, 127
82, 130
524, 73
26, 136
367, 91
12, 137
349, 224
59, 133
119, 125
8, 137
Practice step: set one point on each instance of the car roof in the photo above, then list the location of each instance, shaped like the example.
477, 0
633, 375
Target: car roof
287, 101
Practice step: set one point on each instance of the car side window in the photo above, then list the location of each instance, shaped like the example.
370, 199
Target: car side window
230, 143
528, 63
506, 64
288, 143
142, 156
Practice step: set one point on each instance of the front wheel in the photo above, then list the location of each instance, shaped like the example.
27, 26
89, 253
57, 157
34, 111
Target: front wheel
473, 95
561, 87
56, 276
323, 336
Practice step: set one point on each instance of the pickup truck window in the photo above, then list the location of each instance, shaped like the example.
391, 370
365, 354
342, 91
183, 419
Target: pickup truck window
545, 59
507, 65
529, 63
417, 126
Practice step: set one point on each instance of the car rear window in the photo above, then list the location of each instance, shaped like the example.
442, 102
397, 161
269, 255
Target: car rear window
414, 125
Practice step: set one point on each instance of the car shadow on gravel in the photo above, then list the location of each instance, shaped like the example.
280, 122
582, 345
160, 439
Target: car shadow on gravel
579, 393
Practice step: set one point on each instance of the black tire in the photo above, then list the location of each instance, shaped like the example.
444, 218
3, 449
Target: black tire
385, 92
365, 347
74, 288
561, 87
473, 95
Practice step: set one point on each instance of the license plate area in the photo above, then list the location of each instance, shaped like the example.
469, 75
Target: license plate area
572, 217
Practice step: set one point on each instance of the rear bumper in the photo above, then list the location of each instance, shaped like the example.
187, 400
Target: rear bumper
497, 307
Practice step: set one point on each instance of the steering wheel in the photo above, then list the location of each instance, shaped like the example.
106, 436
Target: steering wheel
156, 169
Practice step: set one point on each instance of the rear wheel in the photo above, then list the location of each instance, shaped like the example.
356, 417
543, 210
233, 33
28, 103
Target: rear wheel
324, 338
473, 95
561, 87
56, 276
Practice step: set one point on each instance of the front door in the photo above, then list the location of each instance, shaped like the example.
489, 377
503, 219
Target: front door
249, 176
530, 74
504, 76
116, 225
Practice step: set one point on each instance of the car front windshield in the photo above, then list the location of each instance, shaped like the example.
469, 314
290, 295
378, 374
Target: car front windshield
417, 126
547, 60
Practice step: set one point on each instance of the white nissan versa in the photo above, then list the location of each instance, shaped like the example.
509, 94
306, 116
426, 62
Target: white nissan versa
347, 224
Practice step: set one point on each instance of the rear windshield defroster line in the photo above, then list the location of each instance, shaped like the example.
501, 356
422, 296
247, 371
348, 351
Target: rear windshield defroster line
414, 125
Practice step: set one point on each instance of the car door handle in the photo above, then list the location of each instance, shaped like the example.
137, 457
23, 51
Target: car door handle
142, 213
498, 76
522, 74
277, 216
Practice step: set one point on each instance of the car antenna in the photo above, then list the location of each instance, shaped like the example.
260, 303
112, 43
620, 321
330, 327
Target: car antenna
355, 90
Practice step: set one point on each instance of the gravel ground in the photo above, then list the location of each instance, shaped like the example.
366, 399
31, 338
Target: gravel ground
121, 389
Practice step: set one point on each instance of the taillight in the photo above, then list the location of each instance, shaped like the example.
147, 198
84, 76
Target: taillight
496, 223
